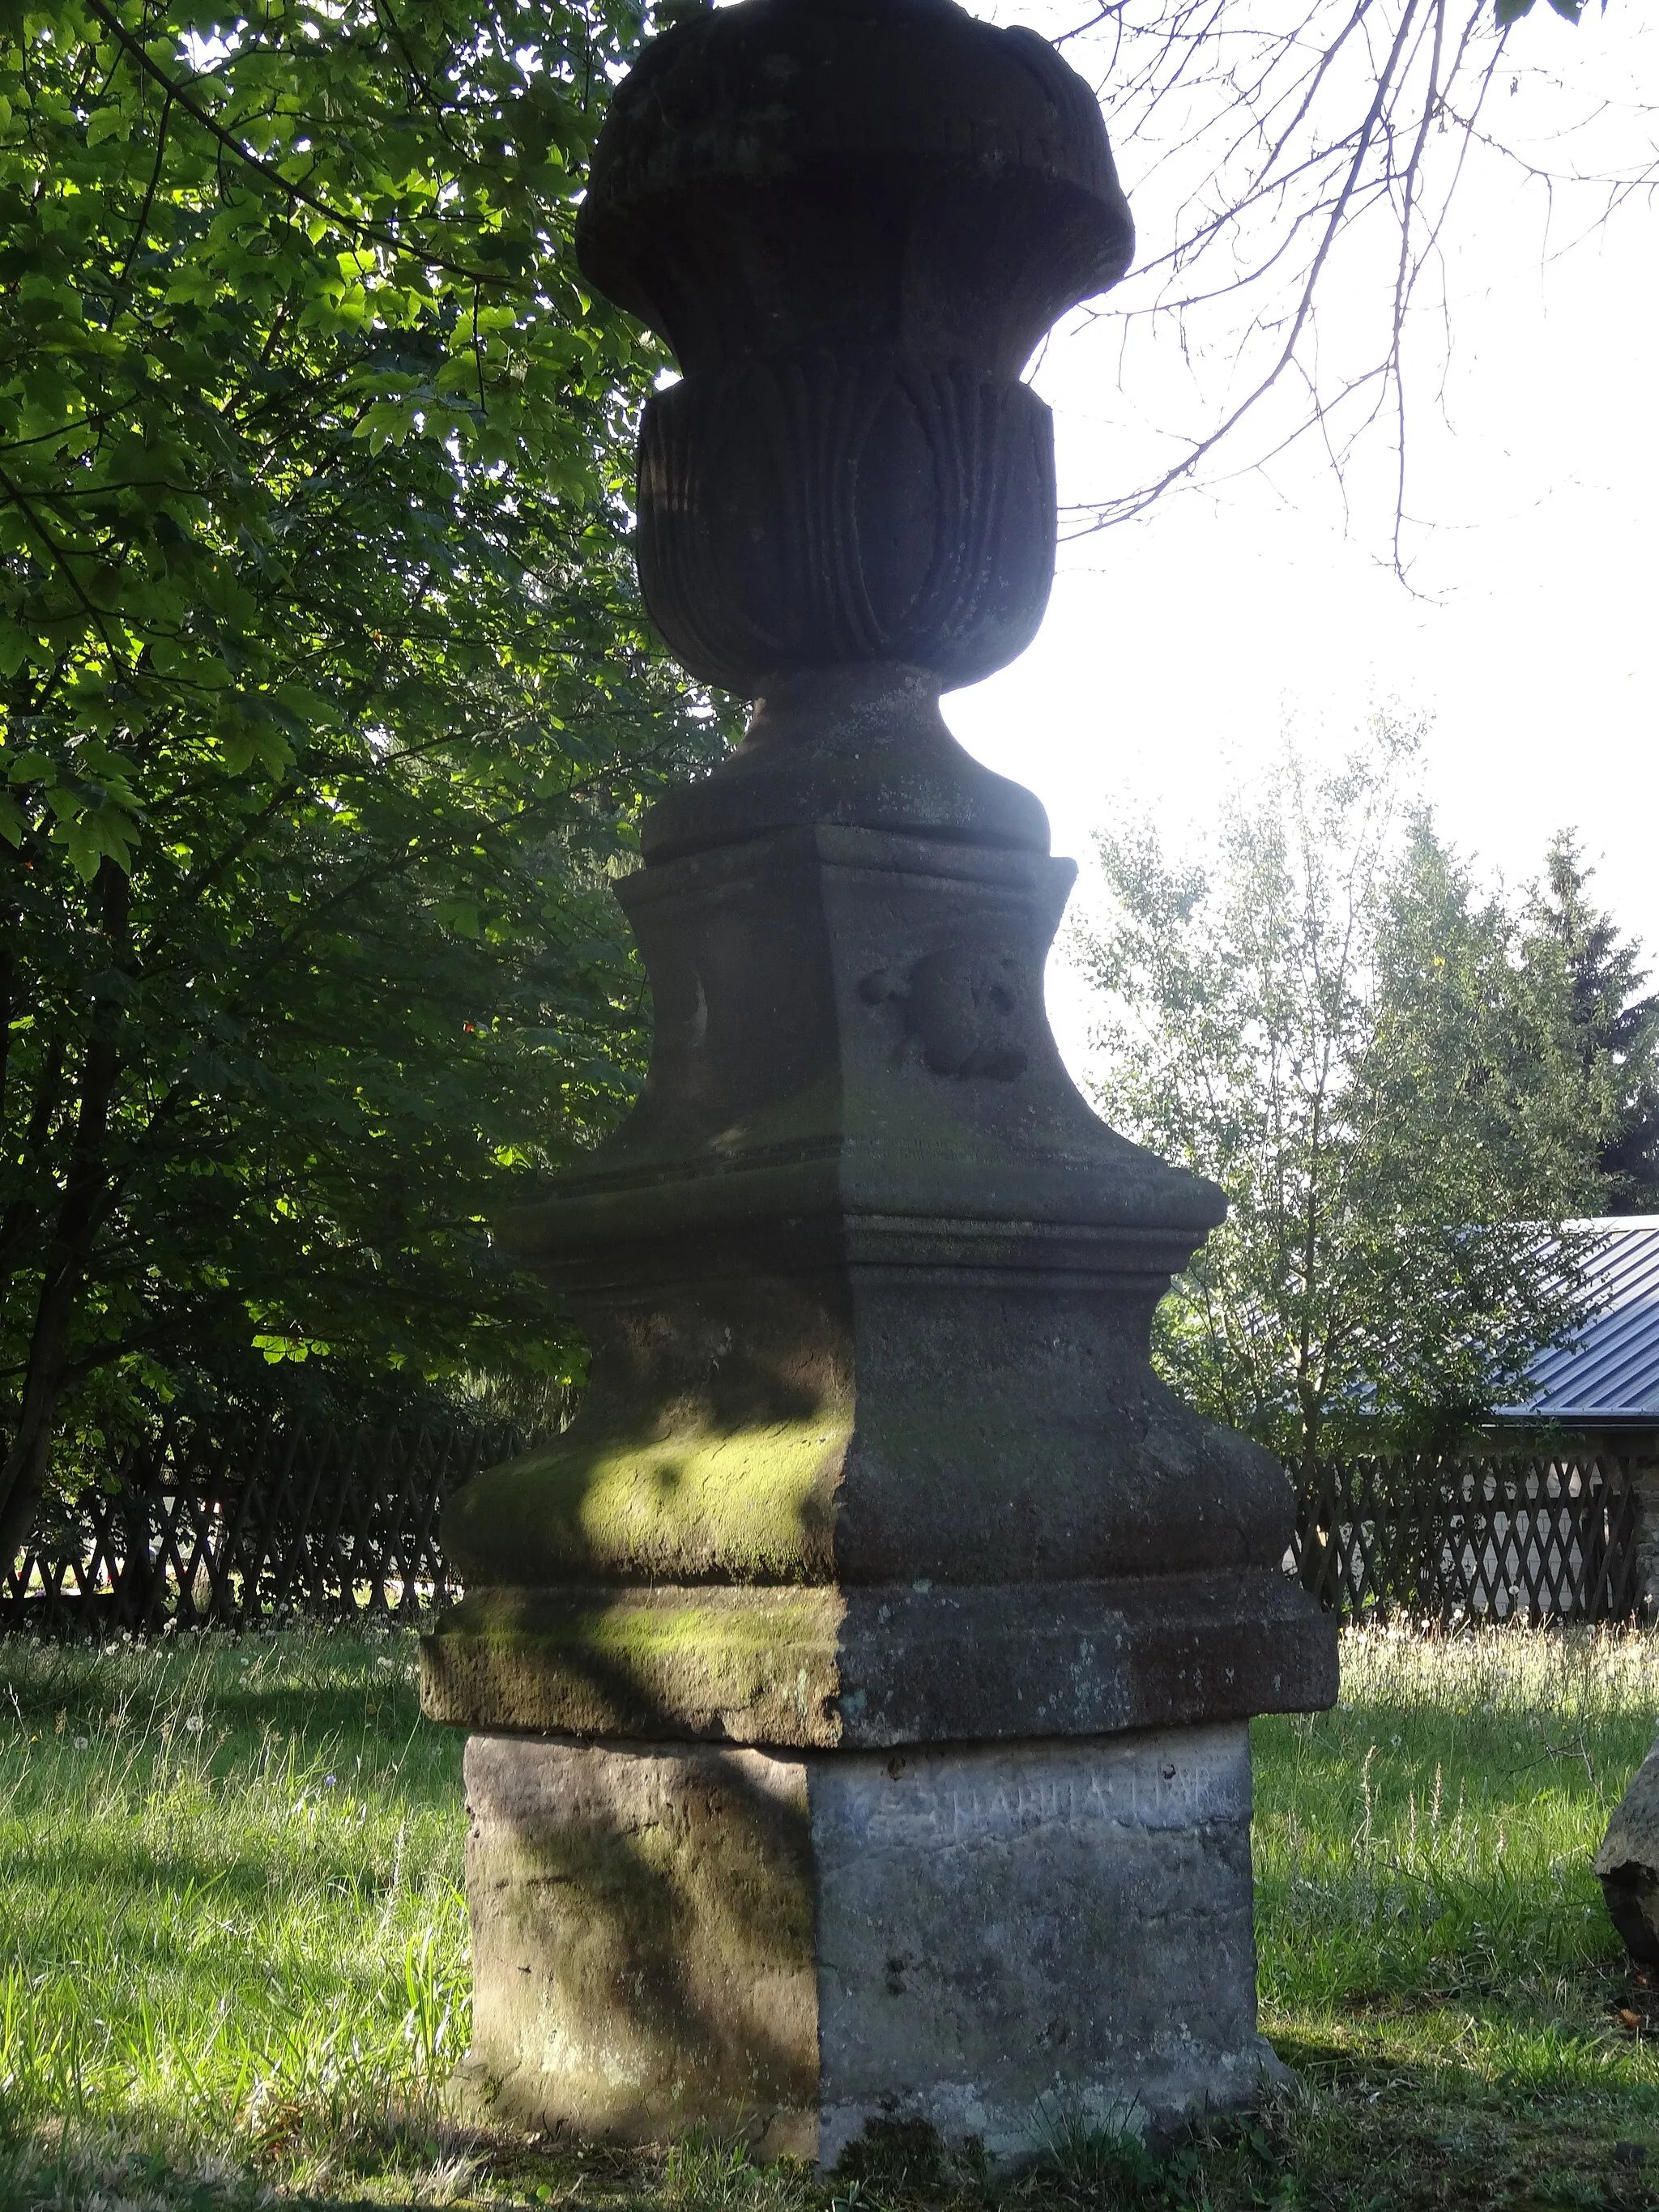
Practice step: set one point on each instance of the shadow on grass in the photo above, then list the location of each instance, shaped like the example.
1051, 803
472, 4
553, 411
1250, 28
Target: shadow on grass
1345, 2137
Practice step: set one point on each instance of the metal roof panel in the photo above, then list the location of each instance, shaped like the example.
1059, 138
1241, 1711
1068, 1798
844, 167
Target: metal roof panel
1608, 1370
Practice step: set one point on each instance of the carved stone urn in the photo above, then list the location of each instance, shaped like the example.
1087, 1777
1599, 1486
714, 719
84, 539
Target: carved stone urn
859, 1687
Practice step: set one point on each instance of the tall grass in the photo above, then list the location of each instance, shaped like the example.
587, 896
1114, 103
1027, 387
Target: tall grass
233, 1946
230, 1915
1423, 1857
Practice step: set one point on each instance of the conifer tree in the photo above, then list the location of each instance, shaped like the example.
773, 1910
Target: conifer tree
1615, 1028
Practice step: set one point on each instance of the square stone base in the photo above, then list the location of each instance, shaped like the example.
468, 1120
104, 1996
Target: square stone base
991, 1939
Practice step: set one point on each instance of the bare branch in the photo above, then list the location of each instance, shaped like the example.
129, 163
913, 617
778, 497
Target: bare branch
1289, 152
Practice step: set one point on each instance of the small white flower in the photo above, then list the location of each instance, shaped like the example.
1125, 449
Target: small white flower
193, 1725
80, 1743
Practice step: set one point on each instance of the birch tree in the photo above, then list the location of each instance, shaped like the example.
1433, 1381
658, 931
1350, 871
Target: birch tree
1334, 1023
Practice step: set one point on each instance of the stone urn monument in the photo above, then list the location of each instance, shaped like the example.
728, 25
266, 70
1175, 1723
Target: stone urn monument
859, 1690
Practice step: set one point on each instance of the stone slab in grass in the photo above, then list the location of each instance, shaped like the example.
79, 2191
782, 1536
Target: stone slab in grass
1628, 1862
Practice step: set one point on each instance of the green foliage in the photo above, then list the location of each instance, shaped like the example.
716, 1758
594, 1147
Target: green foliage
1341, 1031
326, 705
1615, 1031
1512, 11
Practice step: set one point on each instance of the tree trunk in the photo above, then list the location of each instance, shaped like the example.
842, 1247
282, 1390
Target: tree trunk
1318, 1567
85, 1193
18, 1215
9, 922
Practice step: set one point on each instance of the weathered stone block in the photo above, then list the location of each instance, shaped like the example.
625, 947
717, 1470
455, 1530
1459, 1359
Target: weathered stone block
794, 1945
1627, 1864
876, 1667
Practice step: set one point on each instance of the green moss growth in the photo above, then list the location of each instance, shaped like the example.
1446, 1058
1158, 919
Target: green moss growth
760, 1663
753, 1502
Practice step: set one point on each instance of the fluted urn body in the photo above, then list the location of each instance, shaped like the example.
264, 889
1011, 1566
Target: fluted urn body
860, 1687
853, 224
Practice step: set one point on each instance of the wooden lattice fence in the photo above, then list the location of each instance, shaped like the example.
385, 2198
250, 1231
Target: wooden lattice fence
1544, 1537
227, 1527
299, 1518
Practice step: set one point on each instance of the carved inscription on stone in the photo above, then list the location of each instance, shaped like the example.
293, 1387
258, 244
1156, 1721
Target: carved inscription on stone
938, 1799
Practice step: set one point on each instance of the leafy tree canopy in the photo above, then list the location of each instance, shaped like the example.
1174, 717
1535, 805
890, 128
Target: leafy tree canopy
327, 707
1361, 1047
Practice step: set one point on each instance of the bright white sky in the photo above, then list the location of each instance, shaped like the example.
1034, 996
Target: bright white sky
1176, 649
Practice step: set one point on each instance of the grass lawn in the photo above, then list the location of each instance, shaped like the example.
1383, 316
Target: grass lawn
232, 1958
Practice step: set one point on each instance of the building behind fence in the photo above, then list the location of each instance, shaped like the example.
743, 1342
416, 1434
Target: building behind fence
298, 1519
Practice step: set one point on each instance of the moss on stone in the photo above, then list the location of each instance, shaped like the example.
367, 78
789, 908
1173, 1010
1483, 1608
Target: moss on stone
756, 1502
747, 1664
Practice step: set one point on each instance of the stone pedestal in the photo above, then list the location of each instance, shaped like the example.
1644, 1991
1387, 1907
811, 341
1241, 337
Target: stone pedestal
989, 1939
878, 1646
859, 1688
